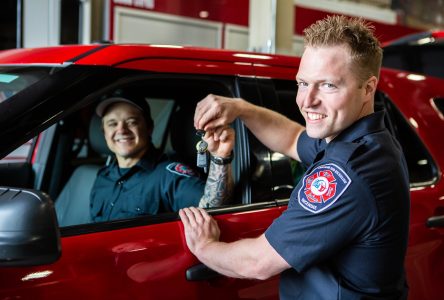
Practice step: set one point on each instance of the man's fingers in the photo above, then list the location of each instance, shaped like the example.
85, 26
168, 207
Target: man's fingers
225, 133
203, 214
190, 217
210, 113
183, 217
197, 216
194, 216
204, 112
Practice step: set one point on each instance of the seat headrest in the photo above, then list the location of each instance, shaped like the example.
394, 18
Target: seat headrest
183, 134
96, 137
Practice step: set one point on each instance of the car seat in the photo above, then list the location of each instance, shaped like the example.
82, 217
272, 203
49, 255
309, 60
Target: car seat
183, 137
73, 204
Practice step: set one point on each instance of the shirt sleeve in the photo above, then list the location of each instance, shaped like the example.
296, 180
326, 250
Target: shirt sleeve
307, 148
183, 187
305, 238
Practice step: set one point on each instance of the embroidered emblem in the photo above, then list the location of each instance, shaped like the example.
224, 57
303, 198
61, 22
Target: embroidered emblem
322, 187
180, 169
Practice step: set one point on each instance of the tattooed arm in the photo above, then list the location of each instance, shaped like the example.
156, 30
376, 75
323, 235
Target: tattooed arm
219, 185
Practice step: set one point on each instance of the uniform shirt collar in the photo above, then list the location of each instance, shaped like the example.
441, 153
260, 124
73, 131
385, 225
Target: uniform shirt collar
149, 159
147, 162
366, 125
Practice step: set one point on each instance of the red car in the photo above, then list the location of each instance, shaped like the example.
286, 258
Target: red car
51, 150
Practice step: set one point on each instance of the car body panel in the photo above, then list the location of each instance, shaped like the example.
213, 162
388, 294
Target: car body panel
134, 263
51, 55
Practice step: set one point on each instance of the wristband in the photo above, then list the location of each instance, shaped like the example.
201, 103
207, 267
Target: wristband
218, 160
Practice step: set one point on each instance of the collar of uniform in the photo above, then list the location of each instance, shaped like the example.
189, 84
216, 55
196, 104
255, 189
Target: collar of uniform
366, 125
150, 158
147, 162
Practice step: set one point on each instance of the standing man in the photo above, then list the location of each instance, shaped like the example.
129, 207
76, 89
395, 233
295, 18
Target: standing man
344, 234
142, 181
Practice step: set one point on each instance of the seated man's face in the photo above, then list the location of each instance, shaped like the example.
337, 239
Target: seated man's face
126, 133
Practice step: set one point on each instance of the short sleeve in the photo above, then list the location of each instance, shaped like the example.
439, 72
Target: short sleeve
307, 148
309, 233
182, 187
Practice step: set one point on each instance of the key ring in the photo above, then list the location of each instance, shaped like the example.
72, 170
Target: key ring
201, 146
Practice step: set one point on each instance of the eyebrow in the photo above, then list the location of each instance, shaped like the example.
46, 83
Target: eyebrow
126, 119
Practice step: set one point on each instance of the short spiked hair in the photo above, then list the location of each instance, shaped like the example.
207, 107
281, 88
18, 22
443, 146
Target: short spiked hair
356, 34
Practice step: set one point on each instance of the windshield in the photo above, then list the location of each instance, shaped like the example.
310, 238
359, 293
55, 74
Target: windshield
14, 79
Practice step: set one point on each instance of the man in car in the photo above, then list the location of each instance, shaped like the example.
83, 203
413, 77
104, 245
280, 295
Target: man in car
142, 181
344, 234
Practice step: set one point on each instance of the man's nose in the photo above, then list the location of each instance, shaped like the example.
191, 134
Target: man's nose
311, 96
122, 126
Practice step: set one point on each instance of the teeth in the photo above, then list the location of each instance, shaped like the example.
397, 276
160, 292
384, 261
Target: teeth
122, 139
315, 116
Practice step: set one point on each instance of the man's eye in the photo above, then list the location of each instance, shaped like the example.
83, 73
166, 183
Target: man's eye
301, 84
131, 123
328, 85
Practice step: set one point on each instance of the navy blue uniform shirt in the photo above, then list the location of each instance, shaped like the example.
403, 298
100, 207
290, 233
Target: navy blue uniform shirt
149, 187
346, 227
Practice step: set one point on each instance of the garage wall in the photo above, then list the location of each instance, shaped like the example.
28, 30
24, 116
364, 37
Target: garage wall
138, 26
41, 25
236, 37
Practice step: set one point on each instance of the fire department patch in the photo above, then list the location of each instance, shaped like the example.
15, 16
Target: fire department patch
322, 187
180, 169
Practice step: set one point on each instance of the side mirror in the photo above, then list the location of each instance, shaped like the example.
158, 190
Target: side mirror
29, 233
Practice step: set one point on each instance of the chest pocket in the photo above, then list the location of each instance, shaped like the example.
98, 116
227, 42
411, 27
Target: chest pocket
139, 205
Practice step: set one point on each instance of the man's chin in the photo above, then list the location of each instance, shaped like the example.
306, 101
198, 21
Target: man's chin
315, 134
130, 153
125, 154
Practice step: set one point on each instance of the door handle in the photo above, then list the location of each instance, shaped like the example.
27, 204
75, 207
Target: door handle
201, 272
435, 221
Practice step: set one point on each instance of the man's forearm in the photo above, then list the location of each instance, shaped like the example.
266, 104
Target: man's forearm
218, 257
219, 186
273, 129
247, 258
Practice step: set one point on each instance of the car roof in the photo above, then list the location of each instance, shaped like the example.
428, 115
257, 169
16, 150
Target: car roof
117, 54
416, 39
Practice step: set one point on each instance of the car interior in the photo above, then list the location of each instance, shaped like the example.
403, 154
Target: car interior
80, 149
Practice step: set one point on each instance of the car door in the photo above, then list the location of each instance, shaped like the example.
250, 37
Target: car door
139, 258
416, 121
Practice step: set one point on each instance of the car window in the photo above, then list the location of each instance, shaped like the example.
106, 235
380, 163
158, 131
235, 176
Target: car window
286, 95
274, 175
16, 79
422, 168
56, 159
19, 155
425, 59
172, 103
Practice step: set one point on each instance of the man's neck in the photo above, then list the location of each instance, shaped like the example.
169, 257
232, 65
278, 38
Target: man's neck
128, 162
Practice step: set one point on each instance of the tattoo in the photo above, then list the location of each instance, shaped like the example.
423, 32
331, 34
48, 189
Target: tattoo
219, 186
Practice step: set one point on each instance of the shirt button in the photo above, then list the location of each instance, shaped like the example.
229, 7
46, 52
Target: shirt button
138, 209
112, 204
120, 182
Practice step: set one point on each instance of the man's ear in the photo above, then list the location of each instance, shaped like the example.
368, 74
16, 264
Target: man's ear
370, 86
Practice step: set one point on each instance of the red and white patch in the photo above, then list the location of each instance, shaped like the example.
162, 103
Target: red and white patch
180, 169
322, 187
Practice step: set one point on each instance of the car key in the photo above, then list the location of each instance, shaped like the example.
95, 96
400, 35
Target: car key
202, 153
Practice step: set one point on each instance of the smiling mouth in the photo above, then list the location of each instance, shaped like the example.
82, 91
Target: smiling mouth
315, 116
123, 139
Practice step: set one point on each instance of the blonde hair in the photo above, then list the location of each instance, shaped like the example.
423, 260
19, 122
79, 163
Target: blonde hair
356, 34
